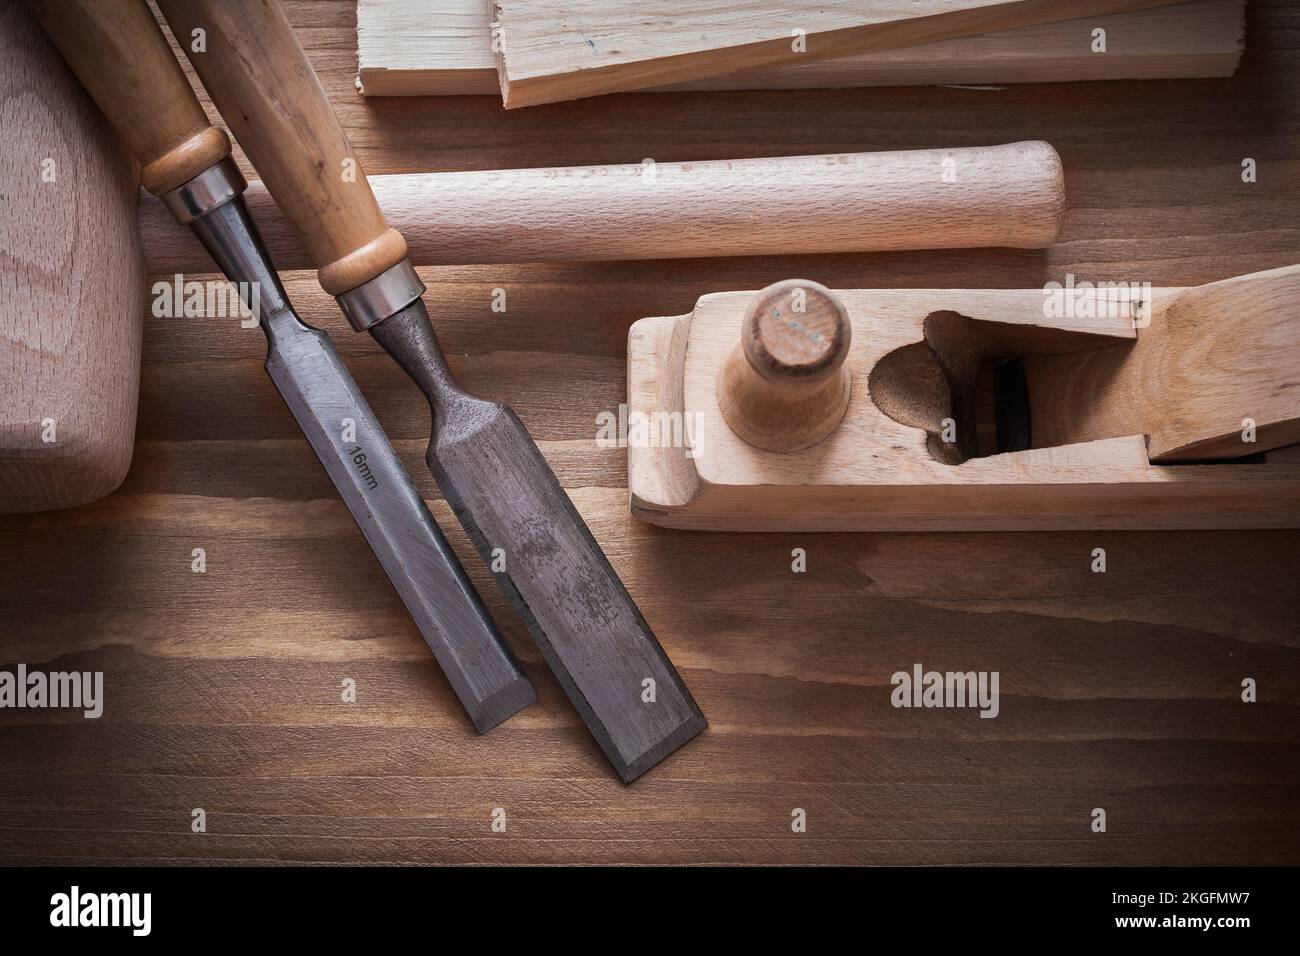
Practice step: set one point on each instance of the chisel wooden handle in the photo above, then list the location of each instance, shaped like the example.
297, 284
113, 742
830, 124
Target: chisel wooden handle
260, 80
124, 62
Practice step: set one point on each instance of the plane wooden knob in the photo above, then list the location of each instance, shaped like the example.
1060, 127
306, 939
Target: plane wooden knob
785, 385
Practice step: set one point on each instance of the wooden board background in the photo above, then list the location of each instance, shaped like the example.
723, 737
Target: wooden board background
1119, 690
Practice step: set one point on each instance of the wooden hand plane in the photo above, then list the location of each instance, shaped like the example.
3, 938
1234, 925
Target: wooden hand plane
1111, 406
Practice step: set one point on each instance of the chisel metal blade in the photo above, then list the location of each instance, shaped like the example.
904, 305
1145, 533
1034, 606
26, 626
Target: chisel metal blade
373, 483
527, 530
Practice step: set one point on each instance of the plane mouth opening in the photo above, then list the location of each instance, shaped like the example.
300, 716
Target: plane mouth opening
965, 385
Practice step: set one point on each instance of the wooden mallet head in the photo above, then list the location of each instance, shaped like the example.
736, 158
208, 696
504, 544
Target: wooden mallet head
72, 282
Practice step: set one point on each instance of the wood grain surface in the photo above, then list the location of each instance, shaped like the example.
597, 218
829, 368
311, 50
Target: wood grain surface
1119, 690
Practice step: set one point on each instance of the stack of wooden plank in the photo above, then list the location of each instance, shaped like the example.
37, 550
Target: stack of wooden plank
540, 51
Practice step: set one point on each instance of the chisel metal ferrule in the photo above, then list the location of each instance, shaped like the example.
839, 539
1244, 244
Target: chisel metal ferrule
213, 187
385, 295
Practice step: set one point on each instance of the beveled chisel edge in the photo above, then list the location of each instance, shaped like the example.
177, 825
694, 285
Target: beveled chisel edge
502, 705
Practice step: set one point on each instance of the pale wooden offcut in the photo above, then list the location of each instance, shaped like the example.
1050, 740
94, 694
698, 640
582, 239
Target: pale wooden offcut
879, 471
71, 283
444, 48
1011, 195
552, 50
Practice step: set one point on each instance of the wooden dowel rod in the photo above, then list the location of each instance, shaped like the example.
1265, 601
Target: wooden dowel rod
1011, 196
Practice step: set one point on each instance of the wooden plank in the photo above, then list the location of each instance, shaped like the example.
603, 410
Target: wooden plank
885, 466
444, 48
1119, 690
553, 50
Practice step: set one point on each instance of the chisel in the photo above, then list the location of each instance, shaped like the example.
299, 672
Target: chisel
590, 632
122, 58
